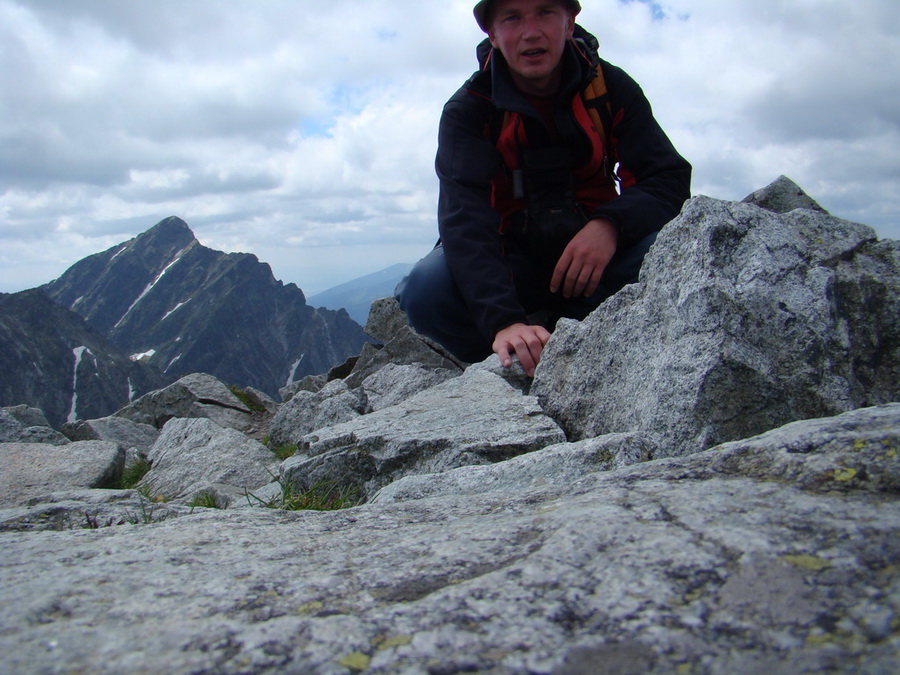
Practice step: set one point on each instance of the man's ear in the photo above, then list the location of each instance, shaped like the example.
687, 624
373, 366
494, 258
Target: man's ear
492, 37
570, 31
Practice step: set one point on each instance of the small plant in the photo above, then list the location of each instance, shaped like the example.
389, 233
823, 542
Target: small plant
93, 522
324, 495
146, 516
206, 499
134, 472
282, 452
247, 399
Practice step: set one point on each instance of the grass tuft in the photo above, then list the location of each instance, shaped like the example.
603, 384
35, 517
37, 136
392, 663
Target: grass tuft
133, 473
325, 495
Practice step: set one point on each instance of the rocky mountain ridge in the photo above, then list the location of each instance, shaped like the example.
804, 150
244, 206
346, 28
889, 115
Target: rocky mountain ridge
188, 308
177, 307
52, 359
702, 478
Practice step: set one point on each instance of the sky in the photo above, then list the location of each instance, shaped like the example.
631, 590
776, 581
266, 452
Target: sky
305, 132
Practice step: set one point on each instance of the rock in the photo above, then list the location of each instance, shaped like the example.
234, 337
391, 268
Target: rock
783, 196
308, 411
393, 384
386, 319
559, 465
124, 432
311, 383
677, 565
474, 419
197, 395
405, 348
22, 424
744, 320
30, 470
87, 510
196, 455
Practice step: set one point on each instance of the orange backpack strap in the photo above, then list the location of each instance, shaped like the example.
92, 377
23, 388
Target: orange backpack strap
599, 107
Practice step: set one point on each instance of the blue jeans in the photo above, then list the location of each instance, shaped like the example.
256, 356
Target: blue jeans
435, 307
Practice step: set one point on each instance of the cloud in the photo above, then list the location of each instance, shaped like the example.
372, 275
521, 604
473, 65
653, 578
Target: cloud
306, 133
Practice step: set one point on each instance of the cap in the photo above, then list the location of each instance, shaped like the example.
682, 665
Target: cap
483, 8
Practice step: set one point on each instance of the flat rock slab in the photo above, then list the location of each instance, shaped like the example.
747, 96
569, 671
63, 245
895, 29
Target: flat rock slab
476, 418
30, 470
671, 566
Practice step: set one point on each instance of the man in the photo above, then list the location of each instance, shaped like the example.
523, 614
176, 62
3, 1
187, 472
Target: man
532, 225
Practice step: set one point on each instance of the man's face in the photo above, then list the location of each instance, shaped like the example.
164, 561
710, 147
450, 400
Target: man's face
531, 35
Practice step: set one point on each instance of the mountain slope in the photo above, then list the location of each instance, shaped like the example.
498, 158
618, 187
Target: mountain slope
188, 308
51, 359
356, 296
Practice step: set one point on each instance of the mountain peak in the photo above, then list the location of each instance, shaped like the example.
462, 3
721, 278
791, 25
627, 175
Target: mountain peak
172, 229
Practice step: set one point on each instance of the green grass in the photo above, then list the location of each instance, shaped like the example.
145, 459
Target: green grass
282, 452
133, 473
324, 495
206, 499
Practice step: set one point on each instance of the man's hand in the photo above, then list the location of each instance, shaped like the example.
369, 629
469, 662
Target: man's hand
524, 341
583, 261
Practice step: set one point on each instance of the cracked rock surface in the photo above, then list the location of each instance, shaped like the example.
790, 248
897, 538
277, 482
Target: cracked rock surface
678, 564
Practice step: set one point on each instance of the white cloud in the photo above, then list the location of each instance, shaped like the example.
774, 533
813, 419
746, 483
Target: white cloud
305, 133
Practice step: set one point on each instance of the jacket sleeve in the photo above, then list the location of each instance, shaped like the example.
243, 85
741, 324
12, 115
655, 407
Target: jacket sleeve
655, 179
469, 226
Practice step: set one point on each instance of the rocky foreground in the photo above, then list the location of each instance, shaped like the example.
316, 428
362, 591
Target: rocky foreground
702, 478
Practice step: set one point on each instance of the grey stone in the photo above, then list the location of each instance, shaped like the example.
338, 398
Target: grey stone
196, 455
29, 470
196, 395
21, 424
385, 319
393, 384
744, 320
676, 565
515, 375
782, 196
125, 432
559, 465
474, 419
87, 509
262, 400
308, 411
312, 383
405, 348
26, 415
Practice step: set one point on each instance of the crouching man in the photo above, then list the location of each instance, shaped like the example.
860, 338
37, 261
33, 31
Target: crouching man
554, 181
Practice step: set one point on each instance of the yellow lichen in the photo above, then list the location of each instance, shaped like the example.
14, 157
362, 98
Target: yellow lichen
310, 607
395, 641
845, 475
356, 661
807, 562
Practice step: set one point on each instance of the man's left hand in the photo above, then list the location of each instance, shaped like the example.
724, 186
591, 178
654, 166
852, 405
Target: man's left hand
584, 260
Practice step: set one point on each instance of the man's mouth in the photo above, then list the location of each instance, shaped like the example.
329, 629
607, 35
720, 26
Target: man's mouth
534, 52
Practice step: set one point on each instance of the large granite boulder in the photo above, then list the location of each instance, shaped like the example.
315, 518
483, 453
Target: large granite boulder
195, 395
30, 470
744, 320
24, 424
193, 456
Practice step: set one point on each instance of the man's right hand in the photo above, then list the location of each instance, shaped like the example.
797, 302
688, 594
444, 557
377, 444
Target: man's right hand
526, 342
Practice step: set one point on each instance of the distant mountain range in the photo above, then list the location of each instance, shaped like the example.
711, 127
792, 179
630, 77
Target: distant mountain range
357, 296
157, 307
